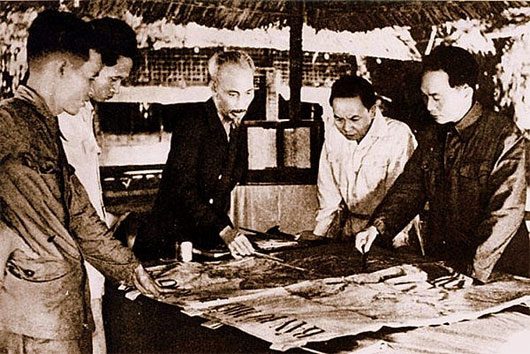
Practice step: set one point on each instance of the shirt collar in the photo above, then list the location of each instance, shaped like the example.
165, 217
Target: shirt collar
89, 106
27, 94
377, 129
468, 120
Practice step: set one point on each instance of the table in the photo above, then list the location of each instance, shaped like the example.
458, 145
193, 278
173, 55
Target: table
147, 326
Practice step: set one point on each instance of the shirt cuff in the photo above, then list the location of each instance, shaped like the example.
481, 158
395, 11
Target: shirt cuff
322, 227
379, 224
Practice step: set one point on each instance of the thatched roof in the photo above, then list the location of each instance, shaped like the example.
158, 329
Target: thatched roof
334, 15
362, 16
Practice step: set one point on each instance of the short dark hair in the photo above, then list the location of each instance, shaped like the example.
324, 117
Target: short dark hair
351, 86
115, 39
460, 65
59, 32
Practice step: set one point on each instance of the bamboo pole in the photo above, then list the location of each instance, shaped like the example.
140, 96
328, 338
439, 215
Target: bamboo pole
296, 56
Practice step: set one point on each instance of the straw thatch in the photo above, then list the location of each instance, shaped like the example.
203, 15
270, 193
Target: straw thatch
333, 15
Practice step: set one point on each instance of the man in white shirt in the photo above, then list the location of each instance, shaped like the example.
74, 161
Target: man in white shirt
362, 156
118, 52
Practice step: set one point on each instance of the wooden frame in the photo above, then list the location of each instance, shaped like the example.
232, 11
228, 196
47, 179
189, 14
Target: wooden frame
282, 173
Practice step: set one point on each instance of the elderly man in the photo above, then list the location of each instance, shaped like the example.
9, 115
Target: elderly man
117, 45
52, 226
207, 159
362, 156
470, 168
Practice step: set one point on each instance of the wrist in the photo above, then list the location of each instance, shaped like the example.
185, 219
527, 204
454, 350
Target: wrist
227, 234
379, 226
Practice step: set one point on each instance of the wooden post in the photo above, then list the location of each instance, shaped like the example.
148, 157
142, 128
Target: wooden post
272, 104
296, 57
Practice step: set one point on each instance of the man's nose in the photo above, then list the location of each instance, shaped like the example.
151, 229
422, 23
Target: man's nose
244, 101
115, 88
431, 105
349, 125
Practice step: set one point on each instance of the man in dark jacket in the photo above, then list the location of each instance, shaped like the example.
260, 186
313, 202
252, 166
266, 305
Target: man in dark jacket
207, 159
470, 168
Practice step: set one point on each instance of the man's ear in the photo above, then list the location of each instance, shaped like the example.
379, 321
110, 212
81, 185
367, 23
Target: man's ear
213, 85
372, 111
62, 66
467, 90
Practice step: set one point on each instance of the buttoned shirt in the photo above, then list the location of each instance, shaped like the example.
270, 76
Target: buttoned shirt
44, 293
360, 173
82, 152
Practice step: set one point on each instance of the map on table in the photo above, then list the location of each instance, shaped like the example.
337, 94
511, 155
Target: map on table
229, 278
224, 279
288, 307
323, 309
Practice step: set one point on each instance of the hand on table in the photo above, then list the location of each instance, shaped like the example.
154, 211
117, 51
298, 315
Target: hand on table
237, 242
365, 239
146, 285
307, 235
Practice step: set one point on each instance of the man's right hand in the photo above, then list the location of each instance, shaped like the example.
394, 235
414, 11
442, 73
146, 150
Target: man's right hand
146, 285
237, 242
365, 239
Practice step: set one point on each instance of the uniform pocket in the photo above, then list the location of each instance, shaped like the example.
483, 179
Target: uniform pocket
40, 269
475, 170
471, 180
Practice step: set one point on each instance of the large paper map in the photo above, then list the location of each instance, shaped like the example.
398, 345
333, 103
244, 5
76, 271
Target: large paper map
323, 309
213, 280
281, 303
218, 280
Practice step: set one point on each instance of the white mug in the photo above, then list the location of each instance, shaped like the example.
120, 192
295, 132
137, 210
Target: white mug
186, 251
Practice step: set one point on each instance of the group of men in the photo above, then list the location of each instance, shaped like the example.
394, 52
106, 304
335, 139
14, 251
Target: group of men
374, 179
468, 169
52, 218
465, 177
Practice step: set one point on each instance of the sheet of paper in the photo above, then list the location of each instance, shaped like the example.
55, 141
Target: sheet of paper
297, 142
261, 148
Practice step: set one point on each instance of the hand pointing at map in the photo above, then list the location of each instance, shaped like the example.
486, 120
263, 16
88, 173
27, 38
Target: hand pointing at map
365, 239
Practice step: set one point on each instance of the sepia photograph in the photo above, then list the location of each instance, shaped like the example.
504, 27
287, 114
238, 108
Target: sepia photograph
264, 176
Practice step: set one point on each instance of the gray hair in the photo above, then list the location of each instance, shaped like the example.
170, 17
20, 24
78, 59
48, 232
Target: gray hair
234, 57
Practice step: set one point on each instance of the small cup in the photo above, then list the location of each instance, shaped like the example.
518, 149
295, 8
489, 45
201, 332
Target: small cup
186, 251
